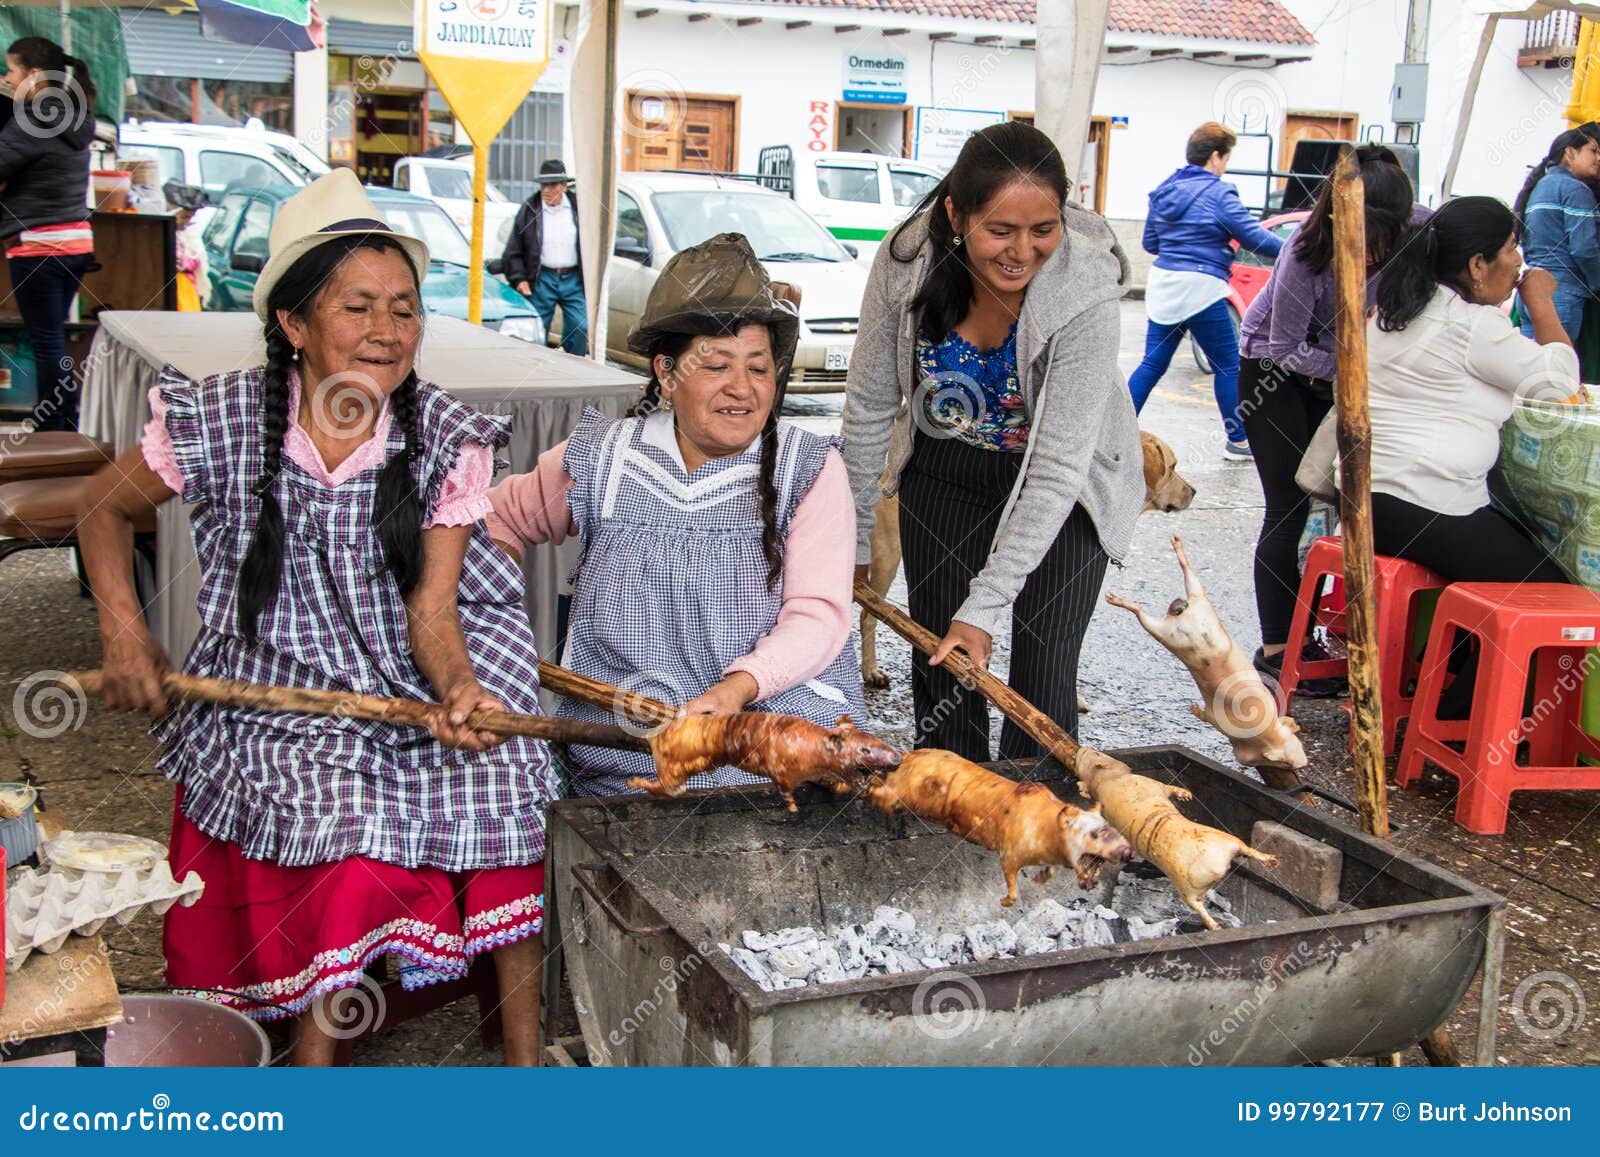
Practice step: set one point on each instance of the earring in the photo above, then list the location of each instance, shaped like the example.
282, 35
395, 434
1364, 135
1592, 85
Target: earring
956, 242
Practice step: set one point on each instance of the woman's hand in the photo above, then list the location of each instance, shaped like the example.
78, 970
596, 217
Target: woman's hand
728, 697
448, 723
973, 640
131, 669
1536, 286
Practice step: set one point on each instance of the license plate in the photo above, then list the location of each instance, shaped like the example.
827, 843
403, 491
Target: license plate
836, 358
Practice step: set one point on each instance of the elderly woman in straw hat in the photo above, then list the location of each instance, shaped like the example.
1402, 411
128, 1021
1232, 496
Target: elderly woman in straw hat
717, 541
339, 500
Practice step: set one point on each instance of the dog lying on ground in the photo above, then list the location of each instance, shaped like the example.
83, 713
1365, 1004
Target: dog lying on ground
1164, 489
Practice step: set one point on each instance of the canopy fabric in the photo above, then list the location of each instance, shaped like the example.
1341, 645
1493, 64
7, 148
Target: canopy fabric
289, 25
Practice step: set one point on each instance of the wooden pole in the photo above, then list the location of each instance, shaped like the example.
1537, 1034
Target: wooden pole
412, 712
1355, 491
628, 704
1355, 516
1015, 708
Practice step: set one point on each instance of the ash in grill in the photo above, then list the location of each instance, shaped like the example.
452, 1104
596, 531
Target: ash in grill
891, 942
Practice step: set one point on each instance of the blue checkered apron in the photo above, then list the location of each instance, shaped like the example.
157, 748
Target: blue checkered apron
308, 789
671, 585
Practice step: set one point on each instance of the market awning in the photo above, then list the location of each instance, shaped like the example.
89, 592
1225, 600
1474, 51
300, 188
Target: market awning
290, 25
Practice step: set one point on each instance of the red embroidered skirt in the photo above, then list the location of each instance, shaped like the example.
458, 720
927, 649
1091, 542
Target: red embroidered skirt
286, 936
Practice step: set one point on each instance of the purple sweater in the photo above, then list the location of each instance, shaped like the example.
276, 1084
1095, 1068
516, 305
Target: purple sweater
1291, 319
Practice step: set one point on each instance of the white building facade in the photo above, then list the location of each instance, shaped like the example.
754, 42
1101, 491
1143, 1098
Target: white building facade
727, 79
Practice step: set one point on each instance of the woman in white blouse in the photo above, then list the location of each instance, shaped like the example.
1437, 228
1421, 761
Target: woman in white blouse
1444, 364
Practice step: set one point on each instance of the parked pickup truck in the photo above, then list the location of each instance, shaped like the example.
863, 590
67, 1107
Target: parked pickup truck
448, 184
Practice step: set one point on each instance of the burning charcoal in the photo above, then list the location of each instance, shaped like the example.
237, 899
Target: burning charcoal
762, 941
988, 941
1097, 933
1031, 941
750, 964
1049, 917
1107, 914
877, 958
828, 975
950, 948
796, 960
896, 960
1144, 930
1215, 899
895, 918
851, 943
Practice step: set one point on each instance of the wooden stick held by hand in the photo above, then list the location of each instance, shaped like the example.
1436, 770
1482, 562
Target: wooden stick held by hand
628, 704
411, 712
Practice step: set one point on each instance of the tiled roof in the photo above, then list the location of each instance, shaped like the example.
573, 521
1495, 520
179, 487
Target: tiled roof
1253, 20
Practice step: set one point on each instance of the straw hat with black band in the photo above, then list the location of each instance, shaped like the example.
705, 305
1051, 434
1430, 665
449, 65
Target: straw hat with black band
716, 287
333, 206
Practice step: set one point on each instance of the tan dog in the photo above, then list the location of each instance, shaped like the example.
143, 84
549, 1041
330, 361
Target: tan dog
1194, 857
1237, 703
1164, 489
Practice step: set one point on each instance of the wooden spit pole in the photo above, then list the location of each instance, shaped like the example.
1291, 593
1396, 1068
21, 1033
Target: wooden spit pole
1355, 490
1015, 708
628, 704
413, 712
1355, 518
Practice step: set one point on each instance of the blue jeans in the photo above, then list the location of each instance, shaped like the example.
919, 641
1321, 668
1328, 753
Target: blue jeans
565, 290
44, 288
1569, 308
1213, 331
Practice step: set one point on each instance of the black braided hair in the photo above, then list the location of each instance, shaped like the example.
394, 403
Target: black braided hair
396, 506
767, 491
397, 509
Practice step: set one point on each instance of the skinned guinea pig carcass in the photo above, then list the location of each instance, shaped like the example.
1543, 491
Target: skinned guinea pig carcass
1193, 856
1236, 702
1026, 823
784, 749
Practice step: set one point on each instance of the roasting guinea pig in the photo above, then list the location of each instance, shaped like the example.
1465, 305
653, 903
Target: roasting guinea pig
787, 750
1026, 823
1236, 701
1193, 856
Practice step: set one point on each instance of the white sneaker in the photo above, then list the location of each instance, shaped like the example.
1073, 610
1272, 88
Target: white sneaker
1237, 452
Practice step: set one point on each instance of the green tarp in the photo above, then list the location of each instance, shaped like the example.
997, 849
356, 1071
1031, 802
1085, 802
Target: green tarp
96, 40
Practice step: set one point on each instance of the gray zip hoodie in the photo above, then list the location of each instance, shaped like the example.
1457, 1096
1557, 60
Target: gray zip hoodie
1083, 448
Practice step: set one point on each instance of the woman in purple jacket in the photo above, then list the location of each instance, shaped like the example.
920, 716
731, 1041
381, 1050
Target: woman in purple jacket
1194, 218
1286, 383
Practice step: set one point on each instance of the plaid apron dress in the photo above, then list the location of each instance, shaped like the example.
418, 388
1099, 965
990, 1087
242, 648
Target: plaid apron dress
327, 841
671, 585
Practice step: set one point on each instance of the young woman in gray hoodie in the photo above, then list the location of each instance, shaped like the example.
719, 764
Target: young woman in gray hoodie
984, 390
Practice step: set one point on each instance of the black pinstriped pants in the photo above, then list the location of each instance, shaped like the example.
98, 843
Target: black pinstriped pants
951, 499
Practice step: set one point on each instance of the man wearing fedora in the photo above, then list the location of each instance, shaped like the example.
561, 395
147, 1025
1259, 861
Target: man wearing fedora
542, 262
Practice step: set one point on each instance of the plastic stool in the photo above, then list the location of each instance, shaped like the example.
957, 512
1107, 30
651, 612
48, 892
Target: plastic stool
1542, 629
1398, 584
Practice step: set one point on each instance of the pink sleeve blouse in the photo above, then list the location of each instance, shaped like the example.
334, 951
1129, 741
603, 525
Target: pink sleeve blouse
814, 621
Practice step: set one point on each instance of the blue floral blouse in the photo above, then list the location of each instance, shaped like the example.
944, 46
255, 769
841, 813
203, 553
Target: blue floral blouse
973, 394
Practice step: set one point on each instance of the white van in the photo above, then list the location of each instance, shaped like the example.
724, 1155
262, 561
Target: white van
448, 184
216, 156
858, 197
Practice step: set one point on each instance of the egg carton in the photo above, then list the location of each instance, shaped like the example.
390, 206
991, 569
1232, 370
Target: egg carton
45, 906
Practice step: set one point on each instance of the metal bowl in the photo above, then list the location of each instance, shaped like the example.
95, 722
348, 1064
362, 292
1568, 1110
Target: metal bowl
161, 1030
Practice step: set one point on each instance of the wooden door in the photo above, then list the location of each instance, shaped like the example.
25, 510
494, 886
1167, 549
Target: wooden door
680, 132
1316, 126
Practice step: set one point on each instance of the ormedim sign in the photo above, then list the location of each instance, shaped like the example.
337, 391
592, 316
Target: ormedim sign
876, 77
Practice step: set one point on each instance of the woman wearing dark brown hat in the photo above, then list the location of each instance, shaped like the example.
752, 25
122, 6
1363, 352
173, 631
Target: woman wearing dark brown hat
717, 541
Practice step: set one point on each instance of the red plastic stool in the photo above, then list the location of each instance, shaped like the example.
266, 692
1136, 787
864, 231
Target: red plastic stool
1398, 584
1542, 629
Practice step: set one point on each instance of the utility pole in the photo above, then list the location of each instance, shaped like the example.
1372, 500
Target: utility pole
1411, 76
1070, 35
